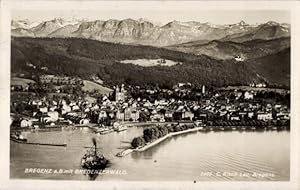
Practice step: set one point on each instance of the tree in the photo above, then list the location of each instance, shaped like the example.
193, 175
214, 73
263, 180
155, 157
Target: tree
143, 116
137, 142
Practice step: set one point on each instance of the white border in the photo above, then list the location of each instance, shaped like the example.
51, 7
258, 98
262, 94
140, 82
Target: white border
6, 7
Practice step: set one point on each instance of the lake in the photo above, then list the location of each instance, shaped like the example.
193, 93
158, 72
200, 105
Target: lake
213, 156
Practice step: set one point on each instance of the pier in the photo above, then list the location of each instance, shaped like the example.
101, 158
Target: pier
42, 144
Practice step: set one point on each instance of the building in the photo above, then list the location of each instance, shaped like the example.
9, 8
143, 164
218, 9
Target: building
239, 58
84, 121
187, 115
264, 116
25, 123
203, 89
120, 94
102, 115
52, 116
248, 95
120, 115
59, 80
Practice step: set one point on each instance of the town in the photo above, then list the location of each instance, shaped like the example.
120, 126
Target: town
54, 101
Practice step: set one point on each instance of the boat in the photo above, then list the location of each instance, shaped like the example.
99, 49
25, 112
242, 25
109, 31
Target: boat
99, 130
18, 140
105, 131
93, 159
18, 137
102, 129
124, 153
121, 128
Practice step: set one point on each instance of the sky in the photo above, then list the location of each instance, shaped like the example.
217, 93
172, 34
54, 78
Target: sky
159, 15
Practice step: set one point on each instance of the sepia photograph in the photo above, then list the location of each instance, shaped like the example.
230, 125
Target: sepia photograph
123, 92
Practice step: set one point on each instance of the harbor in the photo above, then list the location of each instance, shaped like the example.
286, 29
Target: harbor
196, 147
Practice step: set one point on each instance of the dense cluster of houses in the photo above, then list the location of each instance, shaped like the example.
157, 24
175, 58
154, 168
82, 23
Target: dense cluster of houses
121, 107
61, 80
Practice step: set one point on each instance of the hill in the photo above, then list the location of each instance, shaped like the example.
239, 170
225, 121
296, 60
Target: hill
228, 49
86, 58
275, 68
266, 31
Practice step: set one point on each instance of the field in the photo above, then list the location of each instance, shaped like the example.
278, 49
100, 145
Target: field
90, 86
21, 81
150, 62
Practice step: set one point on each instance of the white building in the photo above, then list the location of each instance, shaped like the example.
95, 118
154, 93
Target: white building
264, 116
25, 123
248, 95
52, 116
84, 121
44, 109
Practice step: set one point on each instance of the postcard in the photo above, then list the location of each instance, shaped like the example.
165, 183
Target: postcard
154, 94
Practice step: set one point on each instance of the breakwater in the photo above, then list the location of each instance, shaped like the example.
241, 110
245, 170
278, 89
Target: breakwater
157, 141
42, 144
149, 145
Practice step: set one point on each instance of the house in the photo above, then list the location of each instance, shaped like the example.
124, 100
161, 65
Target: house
25, 123
250, 114
183, 113
120, 114
283, 115
127, 114
59, 79
202, 116
238, 95
223, 112
102, 115
261, 85
248, 95
169, 114
52, 108
84, 121
239, 58
242, 114
73, 114
264, 116
43, 109
234, 118
135, 115
187, 115
65, 109
51, 117
157, 117
75, 107
95, 107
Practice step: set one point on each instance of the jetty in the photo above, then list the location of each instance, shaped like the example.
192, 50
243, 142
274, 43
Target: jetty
169, 135
151, 144
43, 144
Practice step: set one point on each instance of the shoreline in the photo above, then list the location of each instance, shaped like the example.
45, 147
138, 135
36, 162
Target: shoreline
157, 141
166, 137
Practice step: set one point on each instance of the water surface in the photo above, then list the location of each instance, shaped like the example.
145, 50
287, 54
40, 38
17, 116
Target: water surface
246, 156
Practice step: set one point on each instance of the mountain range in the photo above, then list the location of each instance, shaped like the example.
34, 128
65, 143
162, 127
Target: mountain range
217, 55
144, 32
